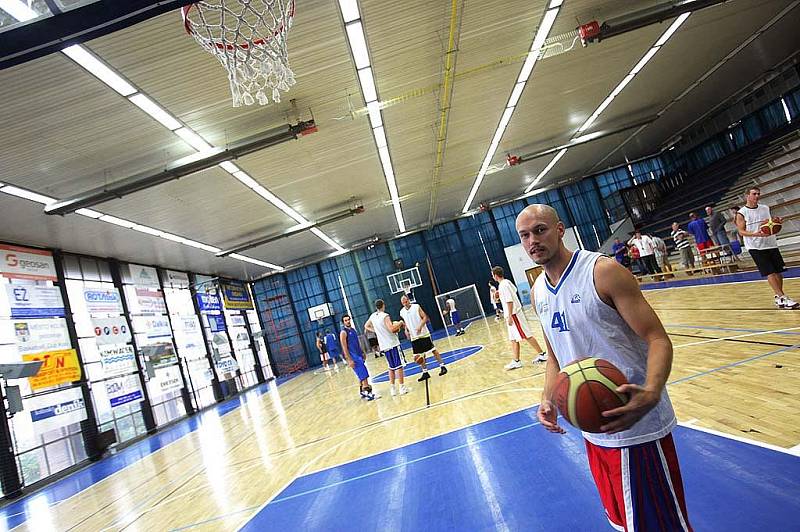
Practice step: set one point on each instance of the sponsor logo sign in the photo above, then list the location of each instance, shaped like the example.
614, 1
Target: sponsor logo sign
237, 320
54, 410
150, 301
117, 359
58, 367
160, 355
208, 302
165, 380
41, 335
33, 301
25, 263
235, 295
227, 365
216, 322
102, 301
177, 278
111, 331
152, 326
143, 275
124, 390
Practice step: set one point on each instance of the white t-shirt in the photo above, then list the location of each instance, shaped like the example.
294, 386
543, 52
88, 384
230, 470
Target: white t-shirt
451, 304
753, 218
411, 316
386, 338
508, 294
494, 295
645, 245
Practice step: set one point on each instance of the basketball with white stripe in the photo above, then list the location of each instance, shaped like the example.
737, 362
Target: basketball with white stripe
587, 388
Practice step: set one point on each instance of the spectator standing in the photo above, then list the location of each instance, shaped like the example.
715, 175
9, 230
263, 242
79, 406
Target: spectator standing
733, 231
681, 239
647, 250
699, 230
716, 222
637, 260
619, 250
662, 257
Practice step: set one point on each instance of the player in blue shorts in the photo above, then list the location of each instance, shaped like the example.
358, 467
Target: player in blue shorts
333, 347
351, 348
455, 318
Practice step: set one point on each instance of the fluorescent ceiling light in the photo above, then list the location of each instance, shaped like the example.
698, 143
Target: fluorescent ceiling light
515, 94
18, 10
117, 221
275, 200
245, 179
386, 161
380, 137
89, 213
527, 67
229, 167
193, 139
147, 230
544, 30
358, 44
367, 85
27, 194
546, 169
375, 118
99, 69
200, 245
622, 84
672, 29
555, 3
174, 238
643, 61
505, 119
326, 238
349, 10
255, 261
586, 138
786, 112
154, 110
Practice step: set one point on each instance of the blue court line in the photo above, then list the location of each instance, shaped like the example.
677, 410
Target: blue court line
717, 279
413, 368
16, 512
732, 329
732, 364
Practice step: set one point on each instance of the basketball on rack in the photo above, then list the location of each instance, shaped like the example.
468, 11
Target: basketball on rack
587, 388
772, 226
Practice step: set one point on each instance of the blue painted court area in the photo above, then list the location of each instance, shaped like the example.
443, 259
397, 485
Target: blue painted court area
510, 474
412, 368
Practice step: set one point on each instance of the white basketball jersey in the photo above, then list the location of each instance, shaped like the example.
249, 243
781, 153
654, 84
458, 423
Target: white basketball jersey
753, 219
579, 324
410, 315
508, 294
386, 338
451, 304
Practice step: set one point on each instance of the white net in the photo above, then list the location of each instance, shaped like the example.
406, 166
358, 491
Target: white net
467, 303
249, 38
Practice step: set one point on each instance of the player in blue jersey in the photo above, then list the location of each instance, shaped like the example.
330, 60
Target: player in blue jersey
351, 348
333, 347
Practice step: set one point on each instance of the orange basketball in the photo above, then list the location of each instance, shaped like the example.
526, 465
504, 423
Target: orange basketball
772, 226
419, 358
587, 388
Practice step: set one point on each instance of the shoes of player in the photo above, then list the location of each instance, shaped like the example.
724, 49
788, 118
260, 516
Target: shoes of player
425, 376
514, 364
442, 370
497, 318
392, 391
404, 389
787, 302
541, 358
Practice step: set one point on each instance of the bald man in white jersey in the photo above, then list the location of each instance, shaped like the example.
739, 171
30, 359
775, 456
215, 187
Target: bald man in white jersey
590, 306
381, 324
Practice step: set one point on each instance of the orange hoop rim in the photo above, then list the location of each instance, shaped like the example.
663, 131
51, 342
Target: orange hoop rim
187, 24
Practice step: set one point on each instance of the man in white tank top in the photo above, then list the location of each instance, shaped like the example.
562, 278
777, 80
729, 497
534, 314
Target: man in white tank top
763, 248
590, 306
416, 324
381, 324
455, 317
518, 328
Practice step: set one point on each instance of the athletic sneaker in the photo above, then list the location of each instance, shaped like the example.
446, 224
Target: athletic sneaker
425, 376
497, 318
392, 391
442, 370
404, 389
542, 357
514, 364
787, 302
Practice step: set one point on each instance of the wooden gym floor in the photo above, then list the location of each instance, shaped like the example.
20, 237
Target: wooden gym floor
736, 368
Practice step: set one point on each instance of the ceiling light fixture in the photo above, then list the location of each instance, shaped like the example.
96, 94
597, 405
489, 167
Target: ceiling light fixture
154, 110
99, 69
27, 194
18, 10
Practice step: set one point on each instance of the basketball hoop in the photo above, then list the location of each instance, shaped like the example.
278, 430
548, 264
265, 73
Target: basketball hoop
249, 38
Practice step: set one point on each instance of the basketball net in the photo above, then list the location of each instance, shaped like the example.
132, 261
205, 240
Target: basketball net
249, 38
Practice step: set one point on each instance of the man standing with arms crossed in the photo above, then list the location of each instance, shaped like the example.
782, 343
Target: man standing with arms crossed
589, 305
351, 349
416, 322
518, 329
381, 324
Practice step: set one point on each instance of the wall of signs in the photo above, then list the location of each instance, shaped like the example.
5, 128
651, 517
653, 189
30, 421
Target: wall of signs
241, 345
153, 337
47, 434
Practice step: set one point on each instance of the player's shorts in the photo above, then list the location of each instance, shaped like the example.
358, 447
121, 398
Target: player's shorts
373, 342
334, 354
422, 345
360, 369
324, 356
393, 358
499, 306
455, 317
519, 329
640, 486
768, 261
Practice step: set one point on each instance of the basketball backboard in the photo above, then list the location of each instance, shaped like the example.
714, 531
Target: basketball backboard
404, 281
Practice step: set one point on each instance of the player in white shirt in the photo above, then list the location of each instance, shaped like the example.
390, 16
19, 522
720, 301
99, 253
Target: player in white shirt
381, 324
494, 297
590, 306
518, 329
455, 317
416, 326
763, 248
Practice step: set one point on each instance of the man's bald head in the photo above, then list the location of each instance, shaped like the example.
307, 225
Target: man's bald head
540, 232
539, 211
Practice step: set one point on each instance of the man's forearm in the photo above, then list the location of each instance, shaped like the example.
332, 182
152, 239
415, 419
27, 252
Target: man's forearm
659, 363
550, 376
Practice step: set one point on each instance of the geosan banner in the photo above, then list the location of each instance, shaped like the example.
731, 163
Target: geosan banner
26, 263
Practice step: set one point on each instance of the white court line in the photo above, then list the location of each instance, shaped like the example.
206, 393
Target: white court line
795, 450
712, 340
690, 424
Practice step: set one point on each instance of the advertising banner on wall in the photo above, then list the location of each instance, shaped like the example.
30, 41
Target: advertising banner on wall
150, 301
160, 355
58, 367
177, 279
216, 322
208, 302
54, 410
25, 263
237, 320
235, 295
41, 335
166, 380
111, 331
143, 275
226, 365
102, 301
117, 359
124, 390
152, 326
34, 301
